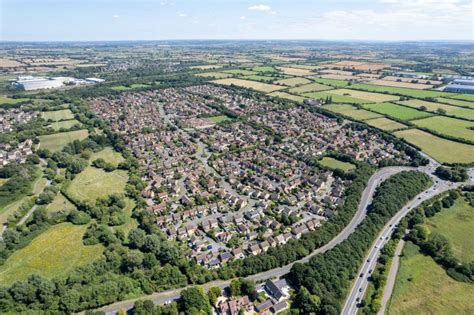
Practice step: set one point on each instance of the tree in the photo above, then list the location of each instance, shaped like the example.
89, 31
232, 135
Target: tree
234, 288
194, 298
306, 302
213, 294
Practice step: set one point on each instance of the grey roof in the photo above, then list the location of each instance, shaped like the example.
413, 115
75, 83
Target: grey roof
459, 88
263, 306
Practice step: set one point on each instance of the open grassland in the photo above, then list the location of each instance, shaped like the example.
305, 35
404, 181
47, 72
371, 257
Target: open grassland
436, 107
423, 287
448, 126
287, 96
372, 97
57, 115
398, 91
351, 111
240, 72
11, 208
260, 78
12, 101
312, 87
330, 82
219, 119
94, 183
456, 102
335, 97
264, 69
130, 222
66, 124
57, 141
109, 155
465, 97
332, 163
385, 124
442, 150
338, 77
259, 86
53, 253
60, 204
121, 88
407, 85
296, 71
457, 225
206, 67
397, 111
215, 75
293, 81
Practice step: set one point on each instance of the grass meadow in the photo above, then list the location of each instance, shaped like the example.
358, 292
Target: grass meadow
385, 124
332, 163
448, 126
55, 142
352, 111
397, 111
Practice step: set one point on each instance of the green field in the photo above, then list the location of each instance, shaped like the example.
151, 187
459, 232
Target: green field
368, 96
466, 97
66, 124
57, 115
336, 98
398, 91
127, 88
218, 119
260, 78
57, 141
444, 151
240, 72
293, 81
385, 124
434, 107
336, 164
396, 111
456, 102
60, 203
12, 101
448, 126
287, 96
264, 69
312, 87
423, 287
351, 111
457, 225
109, 155
215, 75
53, 253
332, 82
11, 208
259, 86
94, 183
130, 222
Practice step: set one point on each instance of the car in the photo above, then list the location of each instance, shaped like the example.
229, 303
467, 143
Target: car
368, 260
361, 274
370, 271
358, 299
360, 289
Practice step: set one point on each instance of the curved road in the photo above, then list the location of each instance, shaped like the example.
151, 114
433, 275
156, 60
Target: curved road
366, 199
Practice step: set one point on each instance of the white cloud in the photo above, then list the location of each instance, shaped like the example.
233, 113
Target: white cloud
260, 7
243, 17
115, 16
180, 14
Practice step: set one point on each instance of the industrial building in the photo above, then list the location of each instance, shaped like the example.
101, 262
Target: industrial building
460, 86
29, 83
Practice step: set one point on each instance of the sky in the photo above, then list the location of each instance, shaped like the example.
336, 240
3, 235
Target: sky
95, 20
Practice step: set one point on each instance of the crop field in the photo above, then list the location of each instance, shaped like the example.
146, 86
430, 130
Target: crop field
312, 87
296, 71
448, 126
218, 119
456, 102
66, 124
398, 91
215, 75
206, 67
60, 203
53, 253
330, 82
260, 78
287, 96
57, 115
358, 65
396, 111
423, 287
240, 72
351, 111
259, 86
442, 150
457, 225
434, 107
336, 98
465, 97
407, 85
293, 81
109, 155
338, 77
94, 183
372, 97
12, 101
57, 141
385, 124
264, 69
336, 164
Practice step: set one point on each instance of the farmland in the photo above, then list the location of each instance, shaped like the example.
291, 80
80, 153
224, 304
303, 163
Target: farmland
398, 91
351, 111
12, 101
396, 111
385, 124
57, 141
264, 69
437, 107
295, 71
402, 84
336, 98
259, 86
94, 183
465, 97
445, 151
57, 115
53, 253
332, 163
448, 126
293, 81
312, 87
372, 97
240, 72
423, 287
330, 82
260, 78
215, 75
456, 102
290, 97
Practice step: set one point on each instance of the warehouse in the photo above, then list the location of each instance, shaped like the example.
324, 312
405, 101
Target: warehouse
29, 83
460, 86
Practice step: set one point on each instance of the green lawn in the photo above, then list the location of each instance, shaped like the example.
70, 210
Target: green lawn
351, 111
12, 101
442, 150
264, 69
60, 203
465, 97
57, 115
94, 183
368, 96
457, 225
293, 81
456, 102
423, 287
448, 126
109, 155
336, 98
332, 82
336, 164
396, 111
55, 142
53, 253
66, 124
434, 107
218, 119
385, 124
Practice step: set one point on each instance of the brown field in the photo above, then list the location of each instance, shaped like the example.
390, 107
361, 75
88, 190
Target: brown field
420, 81
294, 71
358, 65
259, 86
368, 75
8, 63
373, 97
206, 67
293, 81
333, 71
339, 77
385, 124
408, 85
287, 96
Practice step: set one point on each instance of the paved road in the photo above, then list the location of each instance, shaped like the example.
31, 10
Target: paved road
367, 195
392, 275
